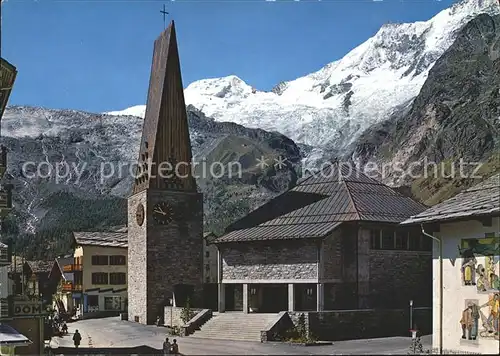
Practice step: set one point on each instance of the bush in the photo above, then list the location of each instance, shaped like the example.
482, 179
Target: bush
186, 313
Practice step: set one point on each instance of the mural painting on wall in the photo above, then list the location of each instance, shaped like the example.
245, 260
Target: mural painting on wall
481, 273
470, 319
480, 269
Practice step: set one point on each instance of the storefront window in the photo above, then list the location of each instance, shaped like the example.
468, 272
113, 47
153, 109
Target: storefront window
112, 303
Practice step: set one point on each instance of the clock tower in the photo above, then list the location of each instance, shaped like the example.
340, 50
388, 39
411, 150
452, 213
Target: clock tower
165, 211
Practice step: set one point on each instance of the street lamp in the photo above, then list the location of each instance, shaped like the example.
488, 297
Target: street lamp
171, 300
411, 314
440, 242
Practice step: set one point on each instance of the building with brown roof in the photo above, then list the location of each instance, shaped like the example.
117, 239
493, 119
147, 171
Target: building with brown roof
467, 226
31, 278
332, 242
99, 268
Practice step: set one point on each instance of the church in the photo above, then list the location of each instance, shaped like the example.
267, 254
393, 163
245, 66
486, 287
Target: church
165, 211
333, 242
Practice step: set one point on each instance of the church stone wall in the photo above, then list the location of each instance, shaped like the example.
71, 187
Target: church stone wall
137, 277
331, 257
175, 251
396, 277
277, 261
171, 255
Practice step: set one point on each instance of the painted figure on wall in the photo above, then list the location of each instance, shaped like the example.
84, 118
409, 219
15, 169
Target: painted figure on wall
469, 268
469, 320
483, 283
495, 281
491, 323
472, 248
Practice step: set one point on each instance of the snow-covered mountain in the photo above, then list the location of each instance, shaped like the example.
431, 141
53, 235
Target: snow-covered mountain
331, 107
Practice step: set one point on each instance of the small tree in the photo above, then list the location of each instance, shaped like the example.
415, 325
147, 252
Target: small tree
186, 313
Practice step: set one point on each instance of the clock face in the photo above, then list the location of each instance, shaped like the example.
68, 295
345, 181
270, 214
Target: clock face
139, 214
163, 213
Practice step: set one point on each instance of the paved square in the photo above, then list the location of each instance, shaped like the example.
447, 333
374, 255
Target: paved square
112, 332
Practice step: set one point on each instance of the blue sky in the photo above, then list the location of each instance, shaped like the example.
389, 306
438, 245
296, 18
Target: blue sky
95, 55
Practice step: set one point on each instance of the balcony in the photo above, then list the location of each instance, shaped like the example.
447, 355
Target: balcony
72, 268
3, 160
69, 287
6, 307
5, 200
5, 256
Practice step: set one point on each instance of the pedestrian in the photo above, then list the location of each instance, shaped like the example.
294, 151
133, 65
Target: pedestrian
175, 348
77, 338
166, 346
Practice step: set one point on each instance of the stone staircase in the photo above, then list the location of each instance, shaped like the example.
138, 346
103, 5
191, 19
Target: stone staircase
235, 326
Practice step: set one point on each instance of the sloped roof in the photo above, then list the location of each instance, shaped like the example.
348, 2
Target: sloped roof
105, 239
319, 204
2, 245
209, 237
60, 262
479, 200
12, 337
40, 266
116, 228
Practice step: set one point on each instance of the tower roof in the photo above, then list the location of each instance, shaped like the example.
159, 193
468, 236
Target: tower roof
165, 135
319, 204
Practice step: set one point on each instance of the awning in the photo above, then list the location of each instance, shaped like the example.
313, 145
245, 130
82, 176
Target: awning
11, 337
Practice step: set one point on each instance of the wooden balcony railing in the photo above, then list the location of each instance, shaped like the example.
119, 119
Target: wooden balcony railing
5, 258
3, 160
71, 287
5, 200
72, 268
6, 307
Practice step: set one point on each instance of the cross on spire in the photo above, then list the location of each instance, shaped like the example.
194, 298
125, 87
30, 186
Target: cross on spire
165, 13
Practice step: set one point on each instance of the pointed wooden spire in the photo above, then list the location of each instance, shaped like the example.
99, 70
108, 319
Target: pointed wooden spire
165, 141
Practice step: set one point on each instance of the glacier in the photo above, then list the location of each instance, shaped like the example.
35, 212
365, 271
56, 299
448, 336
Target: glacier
333, 106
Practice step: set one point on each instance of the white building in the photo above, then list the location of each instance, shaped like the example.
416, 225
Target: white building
10, 338
468, 227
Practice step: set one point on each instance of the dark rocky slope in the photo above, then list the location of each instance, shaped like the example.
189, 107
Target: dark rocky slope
456, 116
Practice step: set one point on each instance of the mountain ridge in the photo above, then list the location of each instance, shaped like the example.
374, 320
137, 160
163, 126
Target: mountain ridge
329, 108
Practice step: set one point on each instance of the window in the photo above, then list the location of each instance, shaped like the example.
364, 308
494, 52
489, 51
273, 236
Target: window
99, 278
375, 239
93, 300
387, 239
117, 260
117, 278
78, 279
489, 234
207, 267
208, 279
112, 303
207, 254
401, 240
414, 240
4, 254
98, 260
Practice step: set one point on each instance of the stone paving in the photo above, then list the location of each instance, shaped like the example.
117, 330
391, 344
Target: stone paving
112, 332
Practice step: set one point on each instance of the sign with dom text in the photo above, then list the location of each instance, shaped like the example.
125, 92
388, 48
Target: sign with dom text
28, 308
